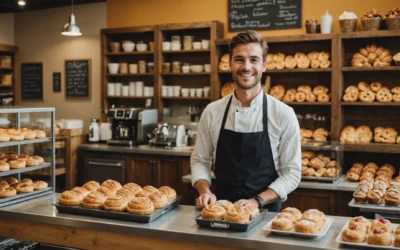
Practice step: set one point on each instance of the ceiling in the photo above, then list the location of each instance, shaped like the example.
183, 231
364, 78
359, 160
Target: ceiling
7, 6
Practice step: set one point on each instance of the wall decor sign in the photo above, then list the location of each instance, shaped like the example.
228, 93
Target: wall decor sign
77, 78
31, 81
56, 81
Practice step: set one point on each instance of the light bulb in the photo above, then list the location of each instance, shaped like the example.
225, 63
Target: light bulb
21, 2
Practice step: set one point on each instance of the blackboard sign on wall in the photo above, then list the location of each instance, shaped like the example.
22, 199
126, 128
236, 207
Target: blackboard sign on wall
56, 82
77, 78
263, 14
31, 81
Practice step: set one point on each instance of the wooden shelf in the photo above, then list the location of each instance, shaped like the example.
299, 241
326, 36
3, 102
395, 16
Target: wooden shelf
130, 53
6, 68
185, 51
129, 97
145, 74
355, 69
296, 70
186, 98
309, 103
6, 86
373, 148
280, 39
370, 34
370, 104
186, 74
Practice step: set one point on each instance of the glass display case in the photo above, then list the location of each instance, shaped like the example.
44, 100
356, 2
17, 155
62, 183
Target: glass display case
321, 160
26, 144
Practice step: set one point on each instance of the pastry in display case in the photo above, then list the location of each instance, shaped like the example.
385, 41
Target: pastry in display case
321, 160
303, 93
300, 60
364, 134
375, 91
372, 56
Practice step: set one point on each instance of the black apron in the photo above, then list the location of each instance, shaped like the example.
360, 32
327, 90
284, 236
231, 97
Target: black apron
244, 165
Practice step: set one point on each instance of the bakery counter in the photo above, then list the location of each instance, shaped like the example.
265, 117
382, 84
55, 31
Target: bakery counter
141, 149
39, 221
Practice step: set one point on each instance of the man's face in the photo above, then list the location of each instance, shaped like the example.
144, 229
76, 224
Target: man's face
247, 65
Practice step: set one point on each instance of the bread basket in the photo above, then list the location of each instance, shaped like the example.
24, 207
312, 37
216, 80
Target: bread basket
370, 24
348, 25
393, 23
313, 28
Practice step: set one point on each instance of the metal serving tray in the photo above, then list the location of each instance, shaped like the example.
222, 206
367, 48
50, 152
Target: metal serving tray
373, 207
79, 210
231, 225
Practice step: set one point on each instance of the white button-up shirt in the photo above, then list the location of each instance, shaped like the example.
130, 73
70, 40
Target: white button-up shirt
283, 130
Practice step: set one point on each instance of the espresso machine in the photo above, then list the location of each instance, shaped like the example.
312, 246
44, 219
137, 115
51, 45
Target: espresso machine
130, 126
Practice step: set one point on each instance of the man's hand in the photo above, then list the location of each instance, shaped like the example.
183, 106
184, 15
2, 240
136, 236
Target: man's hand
247, 203
205, 199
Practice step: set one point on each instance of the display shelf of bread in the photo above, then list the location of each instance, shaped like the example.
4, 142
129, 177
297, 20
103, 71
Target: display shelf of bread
320, 166
12, 134
12, 163
314, 60
319, 134
301, 94
372, 56
373, 92
11, 186
292, 221
111, 196
360, 232
370, 172
364, 134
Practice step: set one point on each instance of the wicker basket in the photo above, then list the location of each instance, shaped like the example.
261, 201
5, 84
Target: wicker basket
313, 28
393, 23
371, 23
348, 25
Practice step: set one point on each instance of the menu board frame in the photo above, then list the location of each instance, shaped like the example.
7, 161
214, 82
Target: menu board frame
88, 82
57, 85
33, 97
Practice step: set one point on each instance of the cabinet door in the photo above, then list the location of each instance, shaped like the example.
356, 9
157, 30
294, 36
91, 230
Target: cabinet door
169, 173
142, 170
305, 199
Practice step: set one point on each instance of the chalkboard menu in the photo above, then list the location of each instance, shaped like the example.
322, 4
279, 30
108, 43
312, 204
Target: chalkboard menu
263, 14
77, 78
56, 82
31, 81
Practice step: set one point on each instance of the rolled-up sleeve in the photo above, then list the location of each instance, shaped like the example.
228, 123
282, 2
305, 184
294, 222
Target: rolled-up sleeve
289, 169
201, 159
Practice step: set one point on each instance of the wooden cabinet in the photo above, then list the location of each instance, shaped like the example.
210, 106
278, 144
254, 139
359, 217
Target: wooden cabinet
142, 170
8, 65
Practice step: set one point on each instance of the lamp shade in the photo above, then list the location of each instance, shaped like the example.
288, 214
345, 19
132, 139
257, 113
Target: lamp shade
71, 29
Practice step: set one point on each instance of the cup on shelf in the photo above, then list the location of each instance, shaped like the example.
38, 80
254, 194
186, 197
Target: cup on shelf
142, 67
128, 46
185, 69
176, 66
170, 91
133, 68
166, 45
139, 88
206, 91
110, 89
164, 90
115, 47
132, 88
177, 90
185, 92
151, 91
175, 45
113, 68
123, 68
187, 42
151, 45
146, 91
166, 67
205, 44
117, 88
196, 45
176, 38
196, 68
192, 92
125, 90
199, 92
150, 67
207, 67
141, 47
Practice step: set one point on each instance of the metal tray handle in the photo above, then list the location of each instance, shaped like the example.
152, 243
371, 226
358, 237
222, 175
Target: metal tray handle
105, 164
219, 225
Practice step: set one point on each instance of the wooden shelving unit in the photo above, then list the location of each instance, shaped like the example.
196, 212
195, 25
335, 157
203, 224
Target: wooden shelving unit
186, 51
9, 91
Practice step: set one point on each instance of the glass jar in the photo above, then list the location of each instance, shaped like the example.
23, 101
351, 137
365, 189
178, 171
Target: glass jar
176, 39
166, 67
150, 67
187, 42
176, 66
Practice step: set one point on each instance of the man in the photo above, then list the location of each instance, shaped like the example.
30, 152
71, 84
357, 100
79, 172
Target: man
253, 138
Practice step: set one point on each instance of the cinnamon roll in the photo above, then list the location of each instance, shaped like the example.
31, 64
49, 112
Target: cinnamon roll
238, 214
91, 186
94, 200
133, 187
169, 192
150, 189
159, 199
213, 212
126, 192
115, 203
225, 204
106, 191
112, 185
140, 205
39, 185
69, 198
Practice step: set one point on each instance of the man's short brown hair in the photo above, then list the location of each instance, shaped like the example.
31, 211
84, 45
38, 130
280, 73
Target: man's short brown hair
247, 37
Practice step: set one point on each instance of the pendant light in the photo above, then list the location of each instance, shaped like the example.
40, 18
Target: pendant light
21, 2
71, 29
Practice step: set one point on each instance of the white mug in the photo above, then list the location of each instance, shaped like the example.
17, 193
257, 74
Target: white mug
170, 91
192, 92
139, 88
151, 91
177, 90
125, 90
132, 88
146, 91
185, 92
164, 90
118, 86
110, 89
166, 45
206, 90
207, 67
199, 92
205, 44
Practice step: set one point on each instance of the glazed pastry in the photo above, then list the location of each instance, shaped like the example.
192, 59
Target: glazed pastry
106, 191
306, 226
360, 195
375, 196
292, 210
81, 191
11, 180
397, 241
283, 224
6, 192
17, 164
159, 199
288, 216
142, 193
111, 184
380, 237
125, 192
133, 187
39, 134
150, 189
27, 181
380, 185
254, 211
392, 197
4, 166
382, 223
315, 212
169, 192
238, 214
225, 204
94, 200
140, 205
39, 185
69, 198
397, 230
91, 186
115, 203
354, 233
314, 218
31, 162
38, 158
213, 212
360, 221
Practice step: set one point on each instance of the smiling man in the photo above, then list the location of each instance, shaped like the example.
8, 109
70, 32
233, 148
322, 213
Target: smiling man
253, 138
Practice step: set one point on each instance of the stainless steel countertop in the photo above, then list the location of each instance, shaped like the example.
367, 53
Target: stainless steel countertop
141, 149
178, 224
340, 185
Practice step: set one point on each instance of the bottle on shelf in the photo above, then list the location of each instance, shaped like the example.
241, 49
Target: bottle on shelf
94, 130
